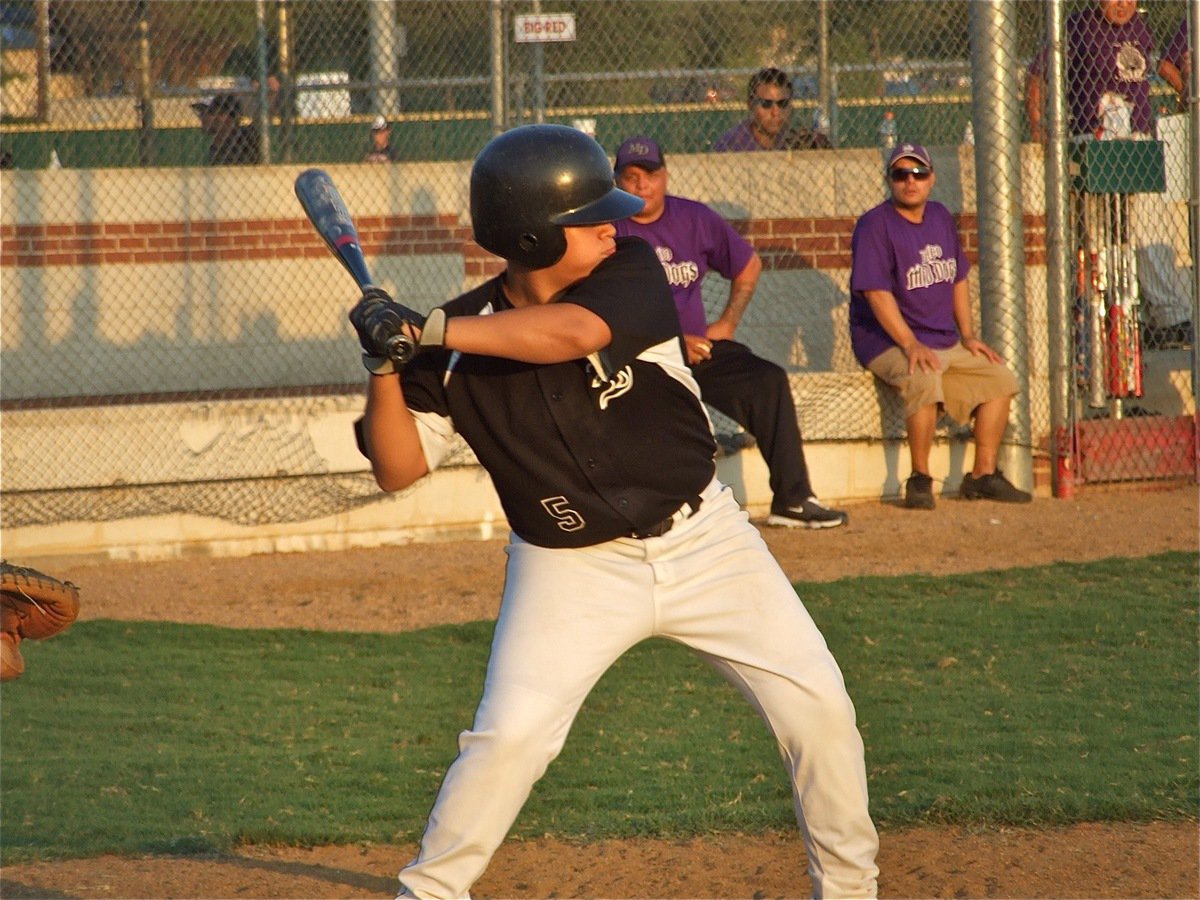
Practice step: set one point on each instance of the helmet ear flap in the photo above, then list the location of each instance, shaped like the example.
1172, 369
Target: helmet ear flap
527, 242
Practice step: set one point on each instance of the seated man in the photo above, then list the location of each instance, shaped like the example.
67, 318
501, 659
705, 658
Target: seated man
911, 326
231, 143
768, 127
690, 238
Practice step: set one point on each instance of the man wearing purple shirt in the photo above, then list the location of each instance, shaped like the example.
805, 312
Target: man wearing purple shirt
911, 326
689, 239
1175, 67
1108, 48
769, 96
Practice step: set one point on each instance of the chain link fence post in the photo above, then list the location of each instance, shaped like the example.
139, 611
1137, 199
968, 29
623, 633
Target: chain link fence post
1064, 461
995, 112
1193, 106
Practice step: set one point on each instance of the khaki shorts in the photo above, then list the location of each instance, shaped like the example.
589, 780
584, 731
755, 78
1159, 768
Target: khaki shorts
966, 380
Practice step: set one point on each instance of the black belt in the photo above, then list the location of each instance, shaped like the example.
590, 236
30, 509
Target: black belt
689, 509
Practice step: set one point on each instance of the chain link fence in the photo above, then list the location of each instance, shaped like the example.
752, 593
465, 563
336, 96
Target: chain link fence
144, 271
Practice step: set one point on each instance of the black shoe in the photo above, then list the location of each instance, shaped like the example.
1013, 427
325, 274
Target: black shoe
809, 514
992, 487
918, 491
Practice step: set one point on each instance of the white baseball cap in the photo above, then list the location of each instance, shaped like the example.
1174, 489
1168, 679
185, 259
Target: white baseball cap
380, 124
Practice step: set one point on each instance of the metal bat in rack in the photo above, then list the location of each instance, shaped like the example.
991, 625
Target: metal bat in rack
325, 208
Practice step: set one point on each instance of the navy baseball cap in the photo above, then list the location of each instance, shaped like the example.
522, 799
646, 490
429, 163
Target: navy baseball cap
910, 151
640, 151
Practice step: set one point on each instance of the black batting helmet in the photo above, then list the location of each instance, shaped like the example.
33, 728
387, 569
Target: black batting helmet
527, 183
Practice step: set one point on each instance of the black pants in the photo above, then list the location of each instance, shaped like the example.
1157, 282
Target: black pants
755, 393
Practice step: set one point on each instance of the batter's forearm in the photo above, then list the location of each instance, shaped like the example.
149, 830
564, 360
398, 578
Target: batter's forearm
390, 435
554, 333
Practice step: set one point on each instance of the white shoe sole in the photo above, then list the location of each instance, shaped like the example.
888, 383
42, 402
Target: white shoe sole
778, 521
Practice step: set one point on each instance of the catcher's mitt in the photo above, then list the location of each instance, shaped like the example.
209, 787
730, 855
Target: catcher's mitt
32, 605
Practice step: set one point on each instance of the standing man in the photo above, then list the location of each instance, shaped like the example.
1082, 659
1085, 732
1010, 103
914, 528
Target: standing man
911, 326
690, 238
1108, 52
566, 375
381, 142
769, 97
230, 142
1108, 49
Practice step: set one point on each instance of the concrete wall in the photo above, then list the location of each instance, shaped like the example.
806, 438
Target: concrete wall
174, 278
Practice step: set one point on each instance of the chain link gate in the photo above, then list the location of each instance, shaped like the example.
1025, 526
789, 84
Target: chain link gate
1125, 168
135, 277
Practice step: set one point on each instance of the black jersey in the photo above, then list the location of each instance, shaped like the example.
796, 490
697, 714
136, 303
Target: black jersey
239, 148
585, 451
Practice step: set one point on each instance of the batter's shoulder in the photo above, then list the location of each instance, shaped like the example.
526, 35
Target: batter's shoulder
632, 250
475, 300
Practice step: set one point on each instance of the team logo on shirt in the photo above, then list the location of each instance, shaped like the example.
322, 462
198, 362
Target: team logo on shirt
1131, 63
620, 383
679, 274
932, 269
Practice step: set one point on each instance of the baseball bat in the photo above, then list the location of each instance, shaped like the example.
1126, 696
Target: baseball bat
325, 208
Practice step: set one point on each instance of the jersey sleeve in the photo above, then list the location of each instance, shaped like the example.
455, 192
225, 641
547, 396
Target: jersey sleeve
727, 251
871, 267
629, 291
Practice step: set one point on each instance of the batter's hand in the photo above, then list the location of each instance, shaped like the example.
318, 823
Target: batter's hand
921, 357
979, 348
391, 334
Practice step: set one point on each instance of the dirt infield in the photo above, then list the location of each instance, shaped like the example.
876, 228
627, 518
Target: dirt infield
459, 582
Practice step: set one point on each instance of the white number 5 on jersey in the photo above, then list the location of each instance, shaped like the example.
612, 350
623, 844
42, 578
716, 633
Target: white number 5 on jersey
567, 518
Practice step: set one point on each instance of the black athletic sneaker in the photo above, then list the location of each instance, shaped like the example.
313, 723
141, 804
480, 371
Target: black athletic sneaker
918, 491
809, 514
992, 487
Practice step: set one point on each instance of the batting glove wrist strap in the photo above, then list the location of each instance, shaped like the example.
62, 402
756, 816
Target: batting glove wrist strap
378, 365
434, 332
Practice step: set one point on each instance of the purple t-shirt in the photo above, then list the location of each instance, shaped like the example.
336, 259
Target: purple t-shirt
1102, 58
737, 139
1178, 46
689, 239
918, 263
740, 138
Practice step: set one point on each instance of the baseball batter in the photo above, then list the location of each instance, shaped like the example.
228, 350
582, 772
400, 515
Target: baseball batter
566, 375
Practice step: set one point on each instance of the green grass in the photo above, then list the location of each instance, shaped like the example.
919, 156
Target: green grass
1036, 696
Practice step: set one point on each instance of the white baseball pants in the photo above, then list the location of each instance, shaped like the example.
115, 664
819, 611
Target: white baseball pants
710, 583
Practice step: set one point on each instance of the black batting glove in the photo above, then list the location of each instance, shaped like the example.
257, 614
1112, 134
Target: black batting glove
380, 322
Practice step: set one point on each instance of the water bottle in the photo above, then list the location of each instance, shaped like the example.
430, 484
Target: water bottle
887, 132
820, 124
969, 134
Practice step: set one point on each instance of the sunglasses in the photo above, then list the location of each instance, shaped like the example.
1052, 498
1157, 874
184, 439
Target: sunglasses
919, 173
767, 104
